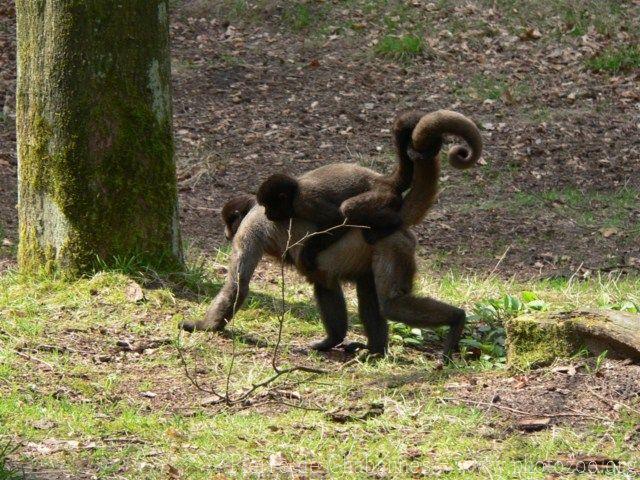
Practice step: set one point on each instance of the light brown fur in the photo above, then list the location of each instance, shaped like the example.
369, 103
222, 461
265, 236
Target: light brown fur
383, 273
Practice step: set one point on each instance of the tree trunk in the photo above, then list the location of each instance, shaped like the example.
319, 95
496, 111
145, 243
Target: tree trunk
97, 181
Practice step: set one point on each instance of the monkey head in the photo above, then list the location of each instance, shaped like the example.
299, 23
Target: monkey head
277, 195
234, 211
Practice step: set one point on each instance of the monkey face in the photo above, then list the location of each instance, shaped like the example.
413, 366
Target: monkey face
234, 211
277, 195
231, 225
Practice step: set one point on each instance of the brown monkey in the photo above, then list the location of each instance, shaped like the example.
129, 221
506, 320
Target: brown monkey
400, 178
383, 272
343, 193
234, 211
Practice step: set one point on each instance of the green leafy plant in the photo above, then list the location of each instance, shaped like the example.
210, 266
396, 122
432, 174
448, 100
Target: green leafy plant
486, 334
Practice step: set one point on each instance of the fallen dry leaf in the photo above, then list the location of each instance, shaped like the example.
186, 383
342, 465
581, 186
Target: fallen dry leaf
468, 465
133, 292
609, 232
53, 445
357, 413
568, 369
531, 34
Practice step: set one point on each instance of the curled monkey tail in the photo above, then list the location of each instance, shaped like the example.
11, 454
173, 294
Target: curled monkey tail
433, 126
426, 140
403, 127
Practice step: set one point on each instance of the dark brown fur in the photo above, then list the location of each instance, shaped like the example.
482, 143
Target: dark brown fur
372, 202
234, 211
384, 272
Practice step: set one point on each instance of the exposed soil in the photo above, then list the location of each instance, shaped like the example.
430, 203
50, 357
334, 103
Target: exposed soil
569, 394
253, 97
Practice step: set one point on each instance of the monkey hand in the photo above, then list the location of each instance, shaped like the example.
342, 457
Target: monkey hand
210, 323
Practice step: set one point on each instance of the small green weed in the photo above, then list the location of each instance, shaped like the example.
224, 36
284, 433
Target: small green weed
486, 323
616, 60
298, 16
576, 22
400, 48
599, 362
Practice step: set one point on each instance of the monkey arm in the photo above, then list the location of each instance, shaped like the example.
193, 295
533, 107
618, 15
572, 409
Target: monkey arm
321, 212
248, 248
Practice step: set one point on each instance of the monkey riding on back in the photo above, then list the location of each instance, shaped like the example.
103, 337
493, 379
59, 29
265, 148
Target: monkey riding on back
384, 271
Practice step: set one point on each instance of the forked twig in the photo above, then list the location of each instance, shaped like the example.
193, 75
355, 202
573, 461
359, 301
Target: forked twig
279, 372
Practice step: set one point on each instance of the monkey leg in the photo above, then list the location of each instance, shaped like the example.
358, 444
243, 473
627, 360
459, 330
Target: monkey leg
333, 312
394, 271
375, 326
377, 210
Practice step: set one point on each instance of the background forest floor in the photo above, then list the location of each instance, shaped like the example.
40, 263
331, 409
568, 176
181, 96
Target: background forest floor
90, 373
263, 86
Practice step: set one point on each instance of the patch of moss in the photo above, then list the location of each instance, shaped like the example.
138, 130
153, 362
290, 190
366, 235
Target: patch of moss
534, 341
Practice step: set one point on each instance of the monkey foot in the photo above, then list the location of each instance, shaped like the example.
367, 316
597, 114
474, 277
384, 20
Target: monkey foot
325, 345
352, 347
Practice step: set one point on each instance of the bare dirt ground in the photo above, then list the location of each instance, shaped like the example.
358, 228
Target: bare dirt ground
261, 90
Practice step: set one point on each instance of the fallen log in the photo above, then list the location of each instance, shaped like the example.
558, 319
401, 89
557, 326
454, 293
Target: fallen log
538, 339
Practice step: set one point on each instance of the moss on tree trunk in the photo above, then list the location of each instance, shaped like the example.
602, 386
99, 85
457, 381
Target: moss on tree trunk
96, 169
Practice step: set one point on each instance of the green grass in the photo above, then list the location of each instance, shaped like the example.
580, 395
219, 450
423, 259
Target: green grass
400, 48
7, 473
99, 403
299, 16
616, 60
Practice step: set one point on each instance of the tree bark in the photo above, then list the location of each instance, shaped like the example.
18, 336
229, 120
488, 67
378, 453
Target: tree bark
97, 181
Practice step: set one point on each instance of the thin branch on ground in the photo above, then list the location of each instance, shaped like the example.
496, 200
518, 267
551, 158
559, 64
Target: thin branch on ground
500, 260
611, 403
477, 403
279, 371
192, 378
34, 359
